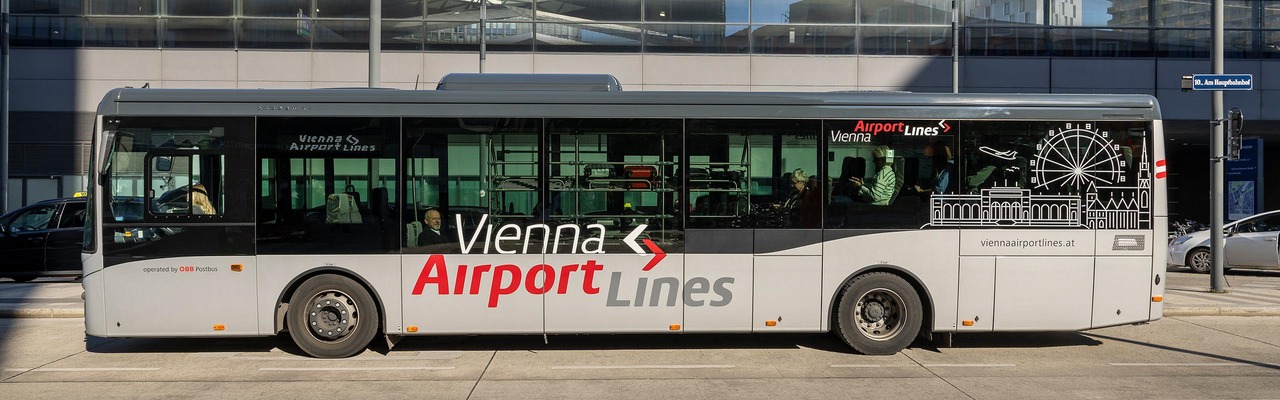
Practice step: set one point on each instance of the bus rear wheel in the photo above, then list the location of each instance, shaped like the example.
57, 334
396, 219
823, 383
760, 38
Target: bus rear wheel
332, 316
879, 314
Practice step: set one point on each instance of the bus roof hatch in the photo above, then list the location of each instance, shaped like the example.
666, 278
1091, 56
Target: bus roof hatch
530, 82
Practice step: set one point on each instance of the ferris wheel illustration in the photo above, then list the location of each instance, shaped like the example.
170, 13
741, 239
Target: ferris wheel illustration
1076, 157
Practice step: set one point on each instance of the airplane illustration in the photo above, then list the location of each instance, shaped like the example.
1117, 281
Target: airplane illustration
1009, 155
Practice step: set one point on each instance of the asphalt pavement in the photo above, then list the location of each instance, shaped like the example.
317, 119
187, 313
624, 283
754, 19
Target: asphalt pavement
1250, 293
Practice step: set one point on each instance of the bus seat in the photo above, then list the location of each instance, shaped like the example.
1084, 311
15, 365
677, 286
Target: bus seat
378, 202
341, 208
911, 172
412, 230
898, 178
859, 167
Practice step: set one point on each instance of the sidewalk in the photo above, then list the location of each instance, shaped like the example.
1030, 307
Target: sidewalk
1249, 293
1185, 295
52, 298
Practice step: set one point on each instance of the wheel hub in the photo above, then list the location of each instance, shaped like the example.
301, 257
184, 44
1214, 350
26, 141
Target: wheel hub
332, 316
873, 311
879, 314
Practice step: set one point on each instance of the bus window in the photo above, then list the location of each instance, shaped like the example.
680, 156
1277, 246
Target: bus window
754, 174
177, 180
885, 172
460, 172
1053, 173
330, 185
616, 173
178, 171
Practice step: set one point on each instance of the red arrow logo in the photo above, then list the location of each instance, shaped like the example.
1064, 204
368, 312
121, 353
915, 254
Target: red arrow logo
658, 254
945, 126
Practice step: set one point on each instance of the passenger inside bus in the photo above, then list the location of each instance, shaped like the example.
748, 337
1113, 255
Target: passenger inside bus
431, 233
843, 190
943, 171
883, 187
200, 204
802, 207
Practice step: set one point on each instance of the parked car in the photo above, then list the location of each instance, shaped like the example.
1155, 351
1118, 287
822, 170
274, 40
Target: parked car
42, 239
1250, 243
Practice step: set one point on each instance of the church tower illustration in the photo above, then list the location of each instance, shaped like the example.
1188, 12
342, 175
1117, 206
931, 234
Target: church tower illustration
1115, 207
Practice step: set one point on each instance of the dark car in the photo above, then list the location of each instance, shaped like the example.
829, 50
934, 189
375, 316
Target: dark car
42, 239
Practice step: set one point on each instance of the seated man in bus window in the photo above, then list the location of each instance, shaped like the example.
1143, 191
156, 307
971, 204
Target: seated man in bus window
881, 189
432, 234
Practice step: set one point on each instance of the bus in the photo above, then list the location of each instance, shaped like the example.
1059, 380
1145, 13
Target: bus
560, 204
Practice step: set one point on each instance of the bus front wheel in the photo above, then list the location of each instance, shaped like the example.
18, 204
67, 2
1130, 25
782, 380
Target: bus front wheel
332, 316
879, 313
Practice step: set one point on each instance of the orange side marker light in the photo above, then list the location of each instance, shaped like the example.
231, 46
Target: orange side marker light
219, 327
237, 267
412, 328
1157, 299
771, 323
674, 327
967, 322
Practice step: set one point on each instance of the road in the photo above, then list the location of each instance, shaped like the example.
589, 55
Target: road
1182, 357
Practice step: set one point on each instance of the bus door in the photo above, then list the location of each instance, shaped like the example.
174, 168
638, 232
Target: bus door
178, 229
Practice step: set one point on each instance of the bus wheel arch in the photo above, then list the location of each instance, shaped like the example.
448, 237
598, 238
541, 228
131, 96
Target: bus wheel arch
282, 302
914, 293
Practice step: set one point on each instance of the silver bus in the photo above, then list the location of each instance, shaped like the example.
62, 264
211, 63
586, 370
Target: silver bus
559, 204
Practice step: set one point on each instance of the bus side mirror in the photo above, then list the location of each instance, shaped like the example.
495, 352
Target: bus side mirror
164, 164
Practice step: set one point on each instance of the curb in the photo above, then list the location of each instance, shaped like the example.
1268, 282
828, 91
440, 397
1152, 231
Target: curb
41, 313
1222, 311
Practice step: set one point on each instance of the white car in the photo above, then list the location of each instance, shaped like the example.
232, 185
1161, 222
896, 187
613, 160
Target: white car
1250, 242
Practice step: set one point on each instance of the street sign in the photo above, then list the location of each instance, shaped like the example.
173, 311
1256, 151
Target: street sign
1222, 82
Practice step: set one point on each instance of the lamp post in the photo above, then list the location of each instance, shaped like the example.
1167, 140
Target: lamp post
955, 46
1217, 171
375, 43
4, 106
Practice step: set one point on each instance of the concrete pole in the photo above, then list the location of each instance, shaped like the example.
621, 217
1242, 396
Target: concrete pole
484, 17
4, 106
375, 43
1217, 172
955, 46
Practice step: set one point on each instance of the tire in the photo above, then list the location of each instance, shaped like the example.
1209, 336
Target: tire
316, 317
1200, 261
879, 314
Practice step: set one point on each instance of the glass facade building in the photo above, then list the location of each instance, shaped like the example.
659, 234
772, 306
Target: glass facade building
1054, 28
67, 53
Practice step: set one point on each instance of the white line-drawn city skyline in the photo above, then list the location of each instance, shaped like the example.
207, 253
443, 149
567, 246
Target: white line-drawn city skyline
1088, 197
